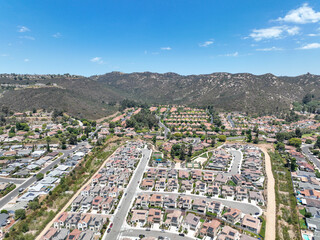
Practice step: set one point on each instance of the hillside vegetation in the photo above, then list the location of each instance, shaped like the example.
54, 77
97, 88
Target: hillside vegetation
95, 97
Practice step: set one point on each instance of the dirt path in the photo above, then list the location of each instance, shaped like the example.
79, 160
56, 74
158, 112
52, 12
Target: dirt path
107, 117
70, 201
271, 206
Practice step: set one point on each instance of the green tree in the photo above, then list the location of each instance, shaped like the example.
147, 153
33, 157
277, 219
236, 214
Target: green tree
296, 142
73, 139
48, 140
34, 205
20, 214
182, 152
222, 138
25, 227
249, 137
298, 133
154, 140
172, 153
190, 150
293, 164
280, 146
317, 144
307, 98
39, 176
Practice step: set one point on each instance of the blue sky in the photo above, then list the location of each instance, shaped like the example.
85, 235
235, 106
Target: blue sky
183, 36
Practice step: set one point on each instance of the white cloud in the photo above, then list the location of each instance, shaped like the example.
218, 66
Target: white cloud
301, 15
206, 43
26, 60
97, 60
23, 29
4, 55
293, 31
235, 54
273, 32
310, 46
315, 34
27, 37
166, 48
57, 35
269, 49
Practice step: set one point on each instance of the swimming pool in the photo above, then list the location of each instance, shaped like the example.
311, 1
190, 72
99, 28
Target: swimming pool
305, 237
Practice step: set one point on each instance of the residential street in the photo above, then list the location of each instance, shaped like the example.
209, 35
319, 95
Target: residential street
137, 232
306, 151
166, 130
247, 208
231, 121
129, 195
237, 155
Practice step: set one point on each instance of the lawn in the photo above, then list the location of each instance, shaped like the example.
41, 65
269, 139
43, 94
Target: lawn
204, 155
303, 211
303, 225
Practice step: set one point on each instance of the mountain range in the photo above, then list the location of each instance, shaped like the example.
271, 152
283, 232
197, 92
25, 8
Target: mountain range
94, 97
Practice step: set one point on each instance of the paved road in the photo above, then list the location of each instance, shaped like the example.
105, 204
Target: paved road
246, 208
306, 151
166, 130
33, 179
14, 180
230, 121
137, 232
196, 141
236, 162
124, 207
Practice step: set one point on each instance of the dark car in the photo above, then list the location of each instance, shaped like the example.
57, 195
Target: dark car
109, 229
181, 234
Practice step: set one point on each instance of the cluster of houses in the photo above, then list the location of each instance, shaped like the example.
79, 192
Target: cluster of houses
26, 160
268, 124
98, 200
197, 216
50, 180
188, 120
203, 183
38, 125
252, 166
220, 160
307, 189
75, 226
